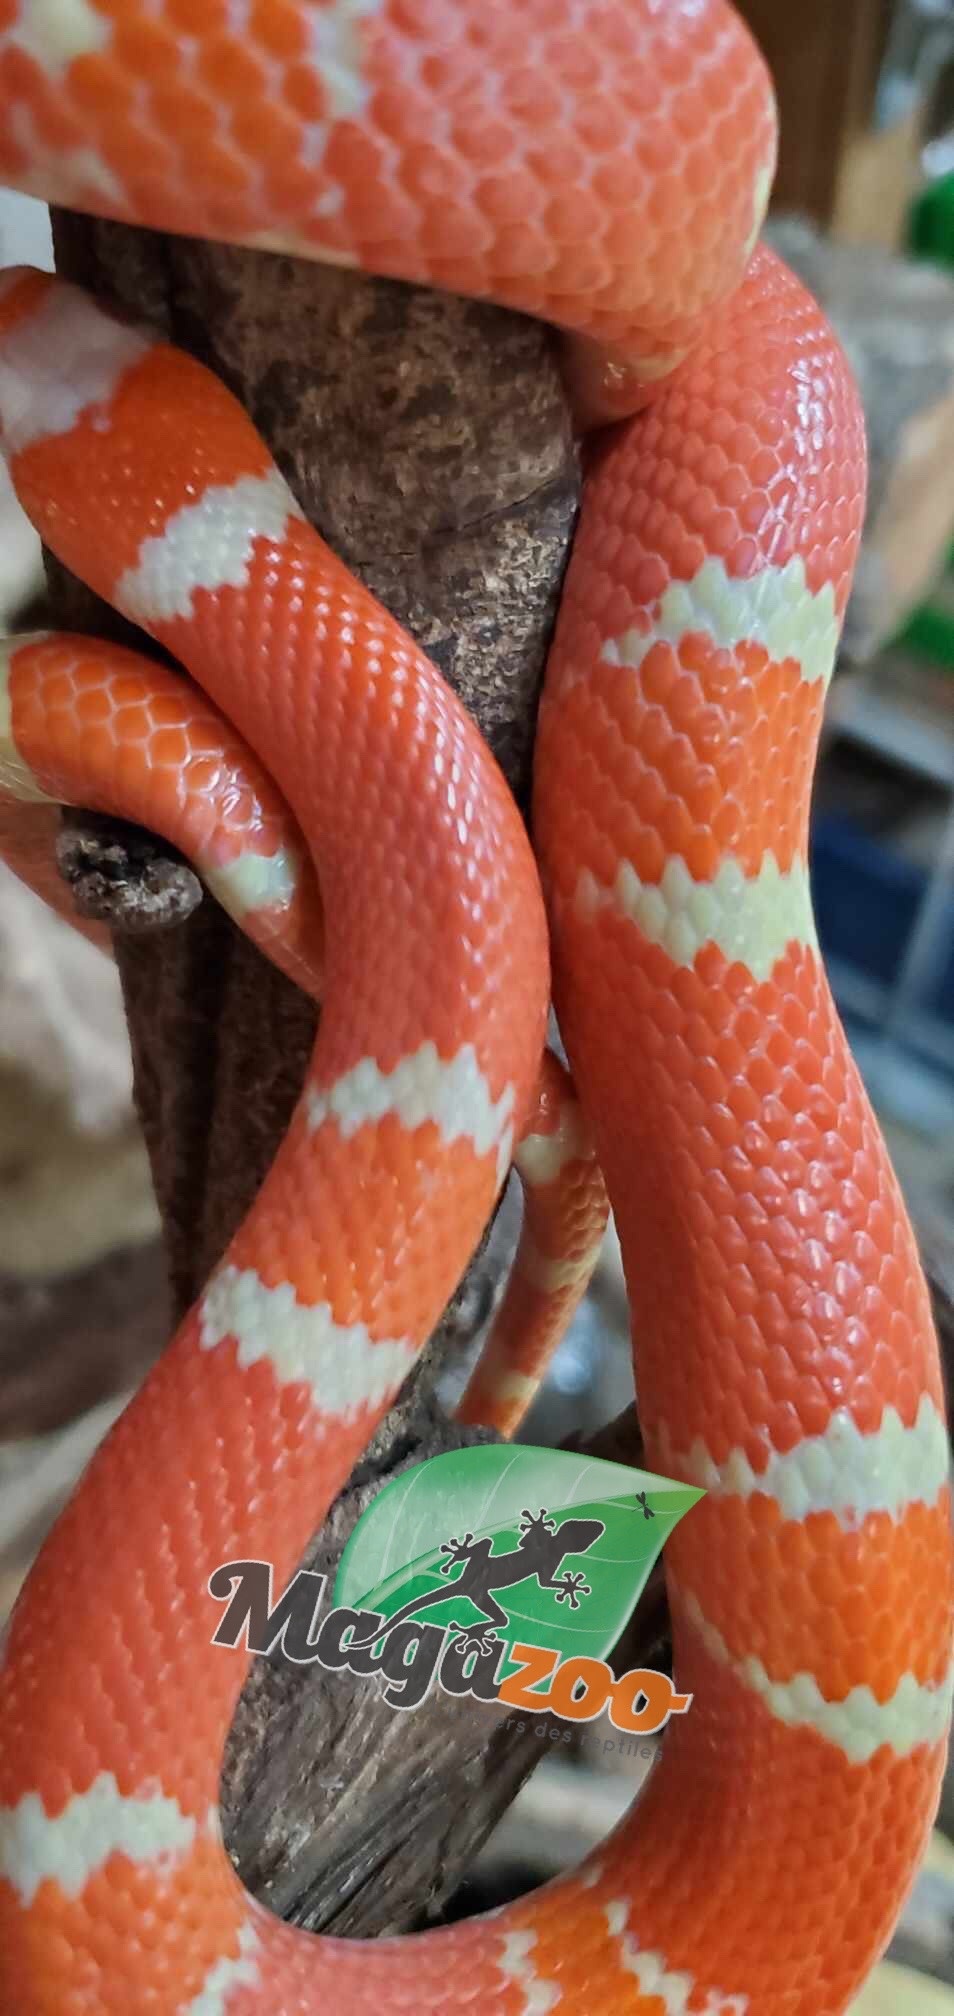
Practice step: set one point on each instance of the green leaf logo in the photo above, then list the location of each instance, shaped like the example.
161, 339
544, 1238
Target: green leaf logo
528, 1545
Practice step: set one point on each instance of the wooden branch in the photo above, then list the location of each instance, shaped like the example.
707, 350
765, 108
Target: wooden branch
122, 876
428, 440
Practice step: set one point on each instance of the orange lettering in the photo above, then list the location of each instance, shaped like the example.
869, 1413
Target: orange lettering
535, 1664
594, 1676
659, 1701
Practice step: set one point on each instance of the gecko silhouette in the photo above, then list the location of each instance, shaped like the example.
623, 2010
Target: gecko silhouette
539, 1554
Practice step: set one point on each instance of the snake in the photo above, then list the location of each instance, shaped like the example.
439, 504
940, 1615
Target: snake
603, 166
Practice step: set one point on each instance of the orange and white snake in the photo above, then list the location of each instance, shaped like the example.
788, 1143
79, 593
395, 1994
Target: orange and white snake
603, 164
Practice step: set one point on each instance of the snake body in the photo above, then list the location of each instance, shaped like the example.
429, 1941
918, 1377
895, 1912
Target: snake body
604, 166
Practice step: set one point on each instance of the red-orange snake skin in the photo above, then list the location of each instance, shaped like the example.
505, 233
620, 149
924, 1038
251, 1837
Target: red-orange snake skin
604, 165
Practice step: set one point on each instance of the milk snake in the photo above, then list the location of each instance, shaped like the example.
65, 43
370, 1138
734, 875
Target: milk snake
603, 165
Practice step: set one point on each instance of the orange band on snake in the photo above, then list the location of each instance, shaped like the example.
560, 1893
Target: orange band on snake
604, 166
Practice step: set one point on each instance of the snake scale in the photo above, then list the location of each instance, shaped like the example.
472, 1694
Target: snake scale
603, 165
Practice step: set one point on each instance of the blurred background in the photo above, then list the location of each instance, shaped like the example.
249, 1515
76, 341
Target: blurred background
864, 210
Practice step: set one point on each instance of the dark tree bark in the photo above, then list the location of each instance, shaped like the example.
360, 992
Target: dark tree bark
429, 441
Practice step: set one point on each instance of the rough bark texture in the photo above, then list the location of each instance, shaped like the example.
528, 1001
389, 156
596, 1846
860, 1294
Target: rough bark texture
429, 441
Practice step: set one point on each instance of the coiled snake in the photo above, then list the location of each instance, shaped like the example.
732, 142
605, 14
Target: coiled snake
602, 164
